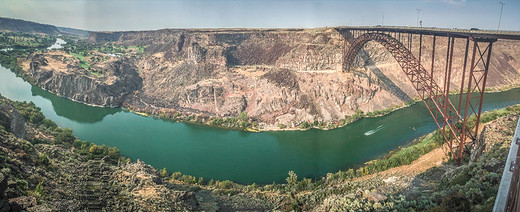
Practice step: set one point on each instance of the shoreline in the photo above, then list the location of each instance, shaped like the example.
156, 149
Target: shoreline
273, 128
203, 119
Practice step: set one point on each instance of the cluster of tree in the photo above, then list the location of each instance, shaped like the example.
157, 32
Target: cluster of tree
242, 121
93, 151
381, 112
182, 177
83, 47
22, 40
10, 60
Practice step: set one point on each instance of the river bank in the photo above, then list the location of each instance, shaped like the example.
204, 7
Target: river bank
219, 154
429, 181
252, 125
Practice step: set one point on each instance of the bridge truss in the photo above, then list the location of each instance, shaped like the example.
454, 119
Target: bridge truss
453, 119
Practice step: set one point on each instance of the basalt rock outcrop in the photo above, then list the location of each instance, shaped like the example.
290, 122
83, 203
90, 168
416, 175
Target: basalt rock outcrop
58, 74
12, 120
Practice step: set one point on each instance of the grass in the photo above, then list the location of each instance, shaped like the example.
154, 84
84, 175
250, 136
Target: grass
83, 65
95, 73
82, 60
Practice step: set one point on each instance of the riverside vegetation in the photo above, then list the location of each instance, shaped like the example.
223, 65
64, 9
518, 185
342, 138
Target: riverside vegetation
56, 156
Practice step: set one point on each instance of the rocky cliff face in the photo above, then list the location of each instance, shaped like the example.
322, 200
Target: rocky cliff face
276, 76
12, 120
59, 74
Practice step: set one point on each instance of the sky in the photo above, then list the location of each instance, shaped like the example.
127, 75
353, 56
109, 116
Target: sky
122, 15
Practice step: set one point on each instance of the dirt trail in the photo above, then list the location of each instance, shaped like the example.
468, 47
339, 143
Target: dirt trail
432, 159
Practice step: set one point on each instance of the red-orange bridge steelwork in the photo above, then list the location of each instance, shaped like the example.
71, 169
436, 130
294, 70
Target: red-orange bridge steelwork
451, 118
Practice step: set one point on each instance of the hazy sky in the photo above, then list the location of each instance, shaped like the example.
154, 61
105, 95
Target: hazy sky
156, 14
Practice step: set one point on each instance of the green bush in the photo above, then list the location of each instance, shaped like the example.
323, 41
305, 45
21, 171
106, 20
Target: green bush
305, 125
44, 159
292, 179
226, 184
176, 175
39, 191
65, 137
163, 173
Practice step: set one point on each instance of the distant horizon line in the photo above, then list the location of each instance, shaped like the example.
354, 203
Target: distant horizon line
255, 28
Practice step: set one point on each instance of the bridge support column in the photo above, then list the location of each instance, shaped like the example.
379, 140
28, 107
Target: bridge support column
479, 67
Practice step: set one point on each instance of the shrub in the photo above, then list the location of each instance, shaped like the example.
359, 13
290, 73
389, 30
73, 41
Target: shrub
65, 137
44, 159
163, 173
176, 175
305, 125
226, 184
49, 124
39, 191
292, 179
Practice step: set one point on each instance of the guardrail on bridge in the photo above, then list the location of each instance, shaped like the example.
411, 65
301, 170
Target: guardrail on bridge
508, 196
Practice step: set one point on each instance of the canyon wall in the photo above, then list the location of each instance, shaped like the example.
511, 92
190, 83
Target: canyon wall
277, 76
61, 75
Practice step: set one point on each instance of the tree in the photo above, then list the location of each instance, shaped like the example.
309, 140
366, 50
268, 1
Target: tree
96, 151
44, 159
292, 179
242, 116
65, 136
49, 124
176, 175
305, 125
113, 153
163, 172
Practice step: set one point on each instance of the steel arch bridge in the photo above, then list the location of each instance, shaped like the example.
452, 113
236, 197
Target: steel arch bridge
452, 119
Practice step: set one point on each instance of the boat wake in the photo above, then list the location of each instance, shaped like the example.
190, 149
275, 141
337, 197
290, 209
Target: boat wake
370, 132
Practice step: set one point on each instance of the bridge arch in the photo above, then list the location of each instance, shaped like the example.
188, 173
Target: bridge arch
396, 48
435, 98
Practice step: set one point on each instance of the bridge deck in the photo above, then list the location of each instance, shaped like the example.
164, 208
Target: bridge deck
460, 33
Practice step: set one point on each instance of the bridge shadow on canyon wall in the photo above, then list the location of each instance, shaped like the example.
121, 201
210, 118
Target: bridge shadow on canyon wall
386, 82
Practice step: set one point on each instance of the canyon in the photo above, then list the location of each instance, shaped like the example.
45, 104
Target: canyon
278, 77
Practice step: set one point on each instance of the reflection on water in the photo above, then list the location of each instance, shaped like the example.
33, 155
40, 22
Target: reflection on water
73, 110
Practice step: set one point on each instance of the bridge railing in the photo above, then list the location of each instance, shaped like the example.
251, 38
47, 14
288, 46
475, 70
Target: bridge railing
502, 34
508, 196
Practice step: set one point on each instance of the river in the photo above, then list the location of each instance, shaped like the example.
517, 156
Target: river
58, 44
239, 156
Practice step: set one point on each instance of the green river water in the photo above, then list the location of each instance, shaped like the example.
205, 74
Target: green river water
239, 156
